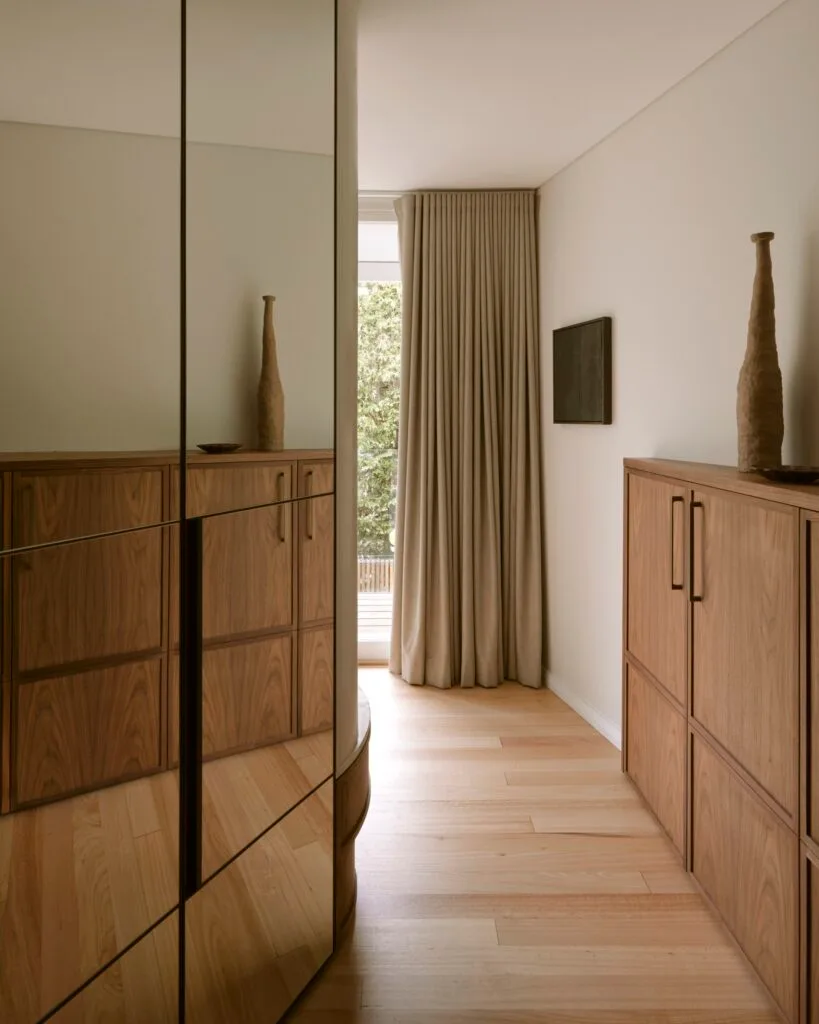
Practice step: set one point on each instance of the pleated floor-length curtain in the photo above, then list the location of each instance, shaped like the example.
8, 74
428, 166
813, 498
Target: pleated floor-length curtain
468, 587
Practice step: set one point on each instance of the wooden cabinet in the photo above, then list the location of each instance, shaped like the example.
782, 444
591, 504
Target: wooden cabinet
82, 731
316, 544
89, 626
810, 981
811, 717
89, 600
745, 635
742, 647
657, 605
656, 750
746, 861
316, 663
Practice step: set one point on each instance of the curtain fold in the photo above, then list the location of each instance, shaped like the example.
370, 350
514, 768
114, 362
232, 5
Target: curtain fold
468, 588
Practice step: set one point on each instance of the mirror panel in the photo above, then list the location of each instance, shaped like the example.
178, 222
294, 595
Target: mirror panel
90, 812
139, 988
89, 260
259, 930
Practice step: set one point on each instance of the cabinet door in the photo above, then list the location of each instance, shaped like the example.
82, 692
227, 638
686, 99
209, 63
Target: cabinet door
316, 543
316, 680
812, 940
747, 862
745, 688
86, 730
657, 607
89, 600
655, 753
812, 721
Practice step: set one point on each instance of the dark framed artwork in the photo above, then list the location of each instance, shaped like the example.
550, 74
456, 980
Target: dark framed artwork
582, 372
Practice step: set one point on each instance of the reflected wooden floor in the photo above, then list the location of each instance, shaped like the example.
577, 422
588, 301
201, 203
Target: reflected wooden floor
82, 878
508, 873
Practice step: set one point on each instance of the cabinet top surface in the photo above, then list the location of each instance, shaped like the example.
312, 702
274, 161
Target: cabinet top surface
17, 461
729, 478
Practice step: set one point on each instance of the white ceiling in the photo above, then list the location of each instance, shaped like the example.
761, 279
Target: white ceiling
505, 93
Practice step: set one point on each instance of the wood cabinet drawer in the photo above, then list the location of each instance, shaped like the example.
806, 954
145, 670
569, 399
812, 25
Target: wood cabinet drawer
812, 658
81, 731
657, 605
316, 680
55, 506
247, 697
747, 862
214, 489
316, 478
745, 642
656, 737
88, 600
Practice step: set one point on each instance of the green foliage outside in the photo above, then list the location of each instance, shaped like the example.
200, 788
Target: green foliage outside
379, 372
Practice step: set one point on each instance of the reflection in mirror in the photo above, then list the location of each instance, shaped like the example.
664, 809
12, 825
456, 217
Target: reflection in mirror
90, 813
260, 221
267, 662
258, 931
139, 988
89, 248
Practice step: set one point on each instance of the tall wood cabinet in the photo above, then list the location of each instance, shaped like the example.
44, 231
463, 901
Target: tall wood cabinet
89, 646
721, 700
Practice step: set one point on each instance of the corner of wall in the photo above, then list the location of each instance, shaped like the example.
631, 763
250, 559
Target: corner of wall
605, 726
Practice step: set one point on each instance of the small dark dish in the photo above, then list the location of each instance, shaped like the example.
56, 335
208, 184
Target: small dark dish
792, 474
223, 448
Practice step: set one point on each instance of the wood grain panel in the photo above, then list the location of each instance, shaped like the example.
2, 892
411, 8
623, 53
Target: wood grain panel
247, 576
812, 951
316, 680
173, 710
745, 679
746, 861
316, 544
258, 932
227, 488
88, 600
248, 572
86, 730
812, 710
656, 744
57, 506
246, 695
139, 988
657, 615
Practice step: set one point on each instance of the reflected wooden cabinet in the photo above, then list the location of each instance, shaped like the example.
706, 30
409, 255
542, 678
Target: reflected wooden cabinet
720, 693
89, 639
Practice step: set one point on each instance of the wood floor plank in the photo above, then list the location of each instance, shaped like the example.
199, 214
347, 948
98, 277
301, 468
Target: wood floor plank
467, 915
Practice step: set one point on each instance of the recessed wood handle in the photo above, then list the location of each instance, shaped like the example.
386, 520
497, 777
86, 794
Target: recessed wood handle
280, 499
676, 501
696, 571
308, 486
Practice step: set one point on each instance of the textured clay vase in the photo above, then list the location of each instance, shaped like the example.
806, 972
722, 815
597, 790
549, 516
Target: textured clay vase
760, 417
271, 395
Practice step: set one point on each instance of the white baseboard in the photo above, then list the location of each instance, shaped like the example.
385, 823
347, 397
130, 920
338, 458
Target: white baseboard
603, 725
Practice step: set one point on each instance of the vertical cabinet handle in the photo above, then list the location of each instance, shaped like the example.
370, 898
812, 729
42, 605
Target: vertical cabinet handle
308, 486
676, 501
696, 573
280, 499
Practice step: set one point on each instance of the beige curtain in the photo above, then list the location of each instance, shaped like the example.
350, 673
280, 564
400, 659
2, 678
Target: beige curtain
468, 589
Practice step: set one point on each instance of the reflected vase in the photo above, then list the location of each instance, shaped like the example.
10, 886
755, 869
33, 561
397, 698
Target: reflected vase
760, 415
271, 393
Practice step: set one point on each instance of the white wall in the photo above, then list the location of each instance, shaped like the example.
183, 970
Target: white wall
652, 228
89, 220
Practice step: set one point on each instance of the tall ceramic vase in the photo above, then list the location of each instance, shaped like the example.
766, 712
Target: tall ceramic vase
271, 395
760, 417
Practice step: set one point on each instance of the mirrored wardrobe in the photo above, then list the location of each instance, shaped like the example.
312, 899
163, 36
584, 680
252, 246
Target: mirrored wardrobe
167, 216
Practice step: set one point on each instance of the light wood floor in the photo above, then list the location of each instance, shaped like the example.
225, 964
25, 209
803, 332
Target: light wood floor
508, 873
82, 878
